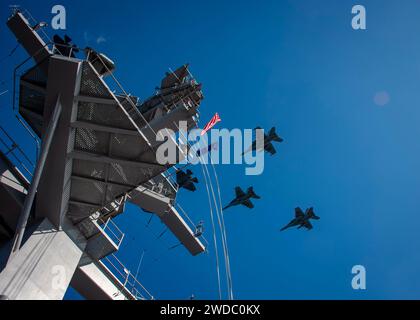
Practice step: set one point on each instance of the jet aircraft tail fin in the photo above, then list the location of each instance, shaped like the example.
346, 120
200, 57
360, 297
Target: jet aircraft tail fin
273, 135
252, 193
311, 214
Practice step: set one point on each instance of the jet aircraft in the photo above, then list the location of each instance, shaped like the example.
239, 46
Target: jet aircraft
268, 138
185, 180
302, 219
243, 198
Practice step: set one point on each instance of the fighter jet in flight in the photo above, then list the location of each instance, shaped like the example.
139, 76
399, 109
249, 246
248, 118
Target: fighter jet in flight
267, 145
243, 198
302, 219
185, 180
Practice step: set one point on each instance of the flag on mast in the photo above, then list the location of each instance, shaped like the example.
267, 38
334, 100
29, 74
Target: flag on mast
211, 123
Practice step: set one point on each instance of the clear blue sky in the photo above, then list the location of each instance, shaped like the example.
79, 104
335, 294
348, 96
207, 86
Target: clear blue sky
297, 65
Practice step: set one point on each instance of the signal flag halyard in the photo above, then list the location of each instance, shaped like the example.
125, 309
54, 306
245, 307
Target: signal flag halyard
211, 123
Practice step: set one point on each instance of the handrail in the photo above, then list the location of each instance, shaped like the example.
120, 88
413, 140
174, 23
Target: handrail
171, 181
134, 108
29, 17
191, 222
130, 282
33, 135
15, 91
107, 227
11, 147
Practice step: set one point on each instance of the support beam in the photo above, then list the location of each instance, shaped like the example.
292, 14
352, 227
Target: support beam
52, 196
98, 127
27, 206
92, 179
42, 269
104, 159
28, 38
33, 86
26, 112
88, 204
94, 281
182, 231
83, 98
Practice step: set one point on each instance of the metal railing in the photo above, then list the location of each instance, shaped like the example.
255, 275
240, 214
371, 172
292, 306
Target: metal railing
128, 280
17, 73
15, 153
111, 230
15, 99
28, 16
163, 185
192, 225
171, 181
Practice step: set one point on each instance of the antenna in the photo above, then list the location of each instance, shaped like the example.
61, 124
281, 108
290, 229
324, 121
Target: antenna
14, 8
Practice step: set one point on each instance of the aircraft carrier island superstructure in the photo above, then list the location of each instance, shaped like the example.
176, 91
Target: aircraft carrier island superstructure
98, 150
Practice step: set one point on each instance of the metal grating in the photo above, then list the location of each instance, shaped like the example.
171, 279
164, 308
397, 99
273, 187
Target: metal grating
97, 182
88, 169
122, 145
87, 192
104, 114
91, 141
123, 174
90, 86
114, 192
78, 212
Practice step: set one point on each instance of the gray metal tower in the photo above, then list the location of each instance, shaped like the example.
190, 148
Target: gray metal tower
98, 151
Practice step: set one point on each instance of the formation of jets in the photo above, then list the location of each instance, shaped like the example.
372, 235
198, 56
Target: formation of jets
301, 220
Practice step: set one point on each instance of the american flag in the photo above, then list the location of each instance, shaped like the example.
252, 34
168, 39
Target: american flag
211, 123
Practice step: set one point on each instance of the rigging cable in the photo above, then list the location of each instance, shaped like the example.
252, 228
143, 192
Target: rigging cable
211, 211
212, 223
208, 182
223, 228
223, 236
11, 53
219, 215
140, 262
221, 219
214, 237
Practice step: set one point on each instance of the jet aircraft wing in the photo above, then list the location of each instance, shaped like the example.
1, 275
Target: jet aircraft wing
248, 203
239, 192
189, 186
307, 224
298, 212
180, 176
269, 148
